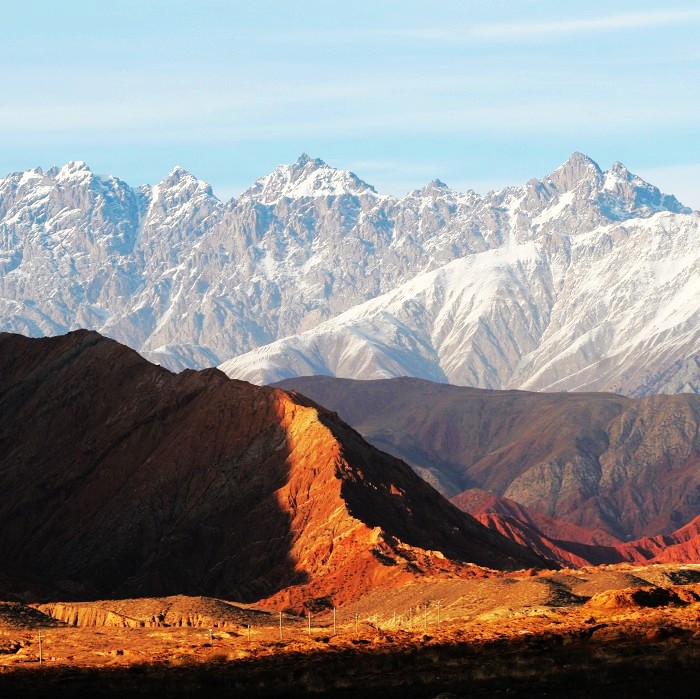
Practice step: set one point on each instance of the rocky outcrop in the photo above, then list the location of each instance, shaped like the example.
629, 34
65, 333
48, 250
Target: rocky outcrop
88, 615
570, 550
482, 505
676, 595
196, 612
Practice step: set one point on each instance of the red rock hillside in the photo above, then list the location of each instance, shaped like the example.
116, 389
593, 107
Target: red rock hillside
573, 546
628, 467
123, 479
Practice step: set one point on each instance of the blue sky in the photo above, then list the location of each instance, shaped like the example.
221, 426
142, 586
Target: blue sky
478, 94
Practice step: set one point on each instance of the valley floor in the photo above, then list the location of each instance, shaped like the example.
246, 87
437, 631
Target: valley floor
635, 633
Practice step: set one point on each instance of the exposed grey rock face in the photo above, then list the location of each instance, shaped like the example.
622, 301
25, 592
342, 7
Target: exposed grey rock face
477, 286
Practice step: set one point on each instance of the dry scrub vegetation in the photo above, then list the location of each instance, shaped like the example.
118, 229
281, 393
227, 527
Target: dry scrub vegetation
612, 631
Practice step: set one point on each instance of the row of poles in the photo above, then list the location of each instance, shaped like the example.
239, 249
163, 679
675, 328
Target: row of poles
356, 620
308, 616
374, 620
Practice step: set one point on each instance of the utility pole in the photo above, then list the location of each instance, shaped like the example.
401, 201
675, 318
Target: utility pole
309, 615
41, 654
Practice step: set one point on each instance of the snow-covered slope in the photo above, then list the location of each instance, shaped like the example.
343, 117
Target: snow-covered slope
190, 281
614, 309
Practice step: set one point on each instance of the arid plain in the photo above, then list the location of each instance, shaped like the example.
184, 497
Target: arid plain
604, 631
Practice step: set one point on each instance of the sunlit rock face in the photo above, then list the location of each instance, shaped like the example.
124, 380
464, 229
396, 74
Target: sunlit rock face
621, 467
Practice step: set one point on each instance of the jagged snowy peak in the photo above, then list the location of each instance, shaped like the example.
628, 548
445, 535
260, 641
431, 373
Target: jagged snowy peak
577, 170
578, 197
180, 200
67, 208
435, 189
308, 177
639, 198
437, 194
181, 185
190, 281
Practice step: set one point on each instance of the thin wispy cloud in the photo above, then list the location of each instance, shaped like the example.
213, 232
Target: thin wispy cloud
633, 20
400, 98
545, 117
517, 31
133, 128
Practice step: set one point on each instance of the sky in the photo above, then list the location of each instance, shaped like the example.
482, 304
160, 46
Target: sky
478, 94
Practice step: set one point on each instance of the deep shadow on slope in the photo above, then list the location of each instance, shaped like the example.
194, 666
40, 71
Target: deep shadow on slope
128, 480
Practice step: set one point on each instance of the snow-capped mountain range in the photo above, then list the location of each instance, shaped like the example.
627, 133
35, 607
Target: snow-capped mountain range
583, 280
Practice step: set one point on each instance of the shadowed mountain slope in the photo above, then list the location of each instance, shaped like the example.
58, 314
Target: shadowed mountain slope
630, 467
123, 479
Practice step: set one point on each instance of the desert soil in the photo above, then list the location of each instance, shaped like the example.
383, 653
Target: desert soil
611, 631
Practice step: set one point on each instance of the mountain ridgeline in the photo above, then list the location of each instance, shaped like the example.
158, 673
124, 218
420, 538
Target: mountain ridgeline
583, 280
128, 480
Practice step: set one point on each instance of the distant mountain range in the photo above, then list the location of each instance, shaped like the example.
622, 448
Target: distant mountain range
584, 280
